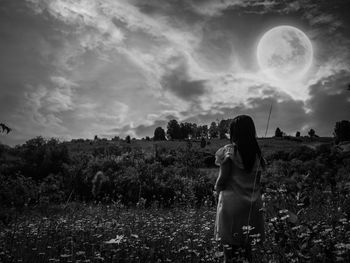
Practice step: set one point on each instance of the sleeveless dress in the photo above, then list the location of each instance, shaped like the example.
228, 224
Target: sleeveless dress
236, 199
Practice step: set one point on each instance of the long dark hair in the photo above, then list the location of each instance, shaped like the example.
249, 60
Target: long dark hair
243, 134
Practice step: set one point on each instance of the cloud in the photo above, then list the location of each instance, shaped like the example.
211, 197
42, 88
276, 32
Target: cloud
329, 102
215, 8
79, 68
178, 82
287, 113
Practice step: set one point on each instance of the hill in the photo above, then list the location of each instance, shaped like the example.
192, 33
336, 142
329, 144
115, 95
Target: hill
268, 145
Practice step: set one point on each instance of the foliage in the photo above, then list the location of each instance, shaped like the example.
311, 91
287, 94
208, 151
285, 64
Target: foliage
342, 131
305, 195
312, 133
42, 157
203, 142
213, 130
51, 190
159, 134
223, 128
297, 134
278, 133
17, 191
186, 129
173, 129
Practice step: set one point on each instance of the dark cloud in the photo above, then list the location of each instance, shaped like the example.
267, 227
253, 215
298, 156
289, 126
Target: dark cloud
177, 81
144, 130
109, 89
329, 102
287, 114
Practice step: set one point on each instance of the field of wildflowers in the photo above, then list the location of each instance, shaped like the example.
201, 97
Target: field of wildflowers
305, 193
79, 232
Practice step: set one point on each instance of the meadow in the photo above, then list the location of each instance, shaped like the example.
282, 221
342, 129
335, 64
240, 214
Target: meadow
157, 204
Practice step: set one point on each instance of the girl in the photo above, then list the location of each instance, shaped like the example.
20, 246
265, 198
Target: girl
239, 212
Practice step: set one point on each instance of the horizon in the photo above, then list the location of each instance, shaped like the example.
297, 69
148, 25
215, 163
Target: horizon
74, 70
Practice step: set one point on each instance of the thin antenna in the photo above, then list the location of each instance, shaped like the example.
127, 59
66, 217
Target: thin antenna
268, 120
257, 170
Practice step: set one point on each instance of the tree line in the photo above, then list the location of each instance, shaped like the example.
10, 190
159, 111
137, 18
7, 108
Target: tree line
187, 130
280, 133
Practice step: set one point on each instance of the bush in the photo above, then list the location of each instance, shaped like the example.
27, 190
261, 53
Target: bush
17, 191
203, 142
302, 153
42, 157
342, 131
51, 189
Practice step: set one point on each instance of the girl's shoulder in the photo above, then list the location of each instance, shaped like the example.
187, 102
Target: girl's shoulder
224, 153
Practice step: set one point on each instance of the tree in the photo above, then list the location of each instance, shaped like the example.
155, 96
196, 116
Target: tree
278, 133
128, 139
213, 130
204, 130
203, 142
173, 130
223, 128
159, 134
197, 130
342, 131
297, 134
185, 130
312, 133
43, 157
115, 138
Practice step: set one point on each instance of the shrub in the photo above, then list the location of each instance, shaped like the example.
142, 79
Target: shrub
278, 133
342, 131
42, 157
203, 142
302, 153
51, 189
17, 190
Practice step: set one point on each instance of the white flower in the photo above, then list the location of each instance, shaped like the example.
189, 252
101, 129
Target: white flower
116, 240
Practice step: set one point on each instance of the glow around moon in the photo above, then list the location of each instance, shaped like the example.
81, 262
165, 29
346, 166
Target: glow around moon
285, 53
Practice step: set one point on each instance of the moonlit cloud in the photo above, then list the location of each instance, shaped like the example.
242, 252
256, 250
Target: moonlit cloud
75, 69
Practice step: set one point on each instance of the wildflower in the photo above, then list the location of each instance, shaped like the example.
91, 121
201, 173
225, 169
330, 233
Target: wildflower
255, 235
116, 240
247, 229
296, 227
284, 217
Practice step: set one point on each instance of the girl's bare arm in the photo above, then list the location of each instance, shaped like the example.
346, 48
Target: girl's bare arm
224, 173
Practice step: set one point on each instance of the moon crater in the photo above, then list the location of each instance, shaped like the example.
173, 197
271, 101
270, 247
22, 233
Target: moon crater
285, 53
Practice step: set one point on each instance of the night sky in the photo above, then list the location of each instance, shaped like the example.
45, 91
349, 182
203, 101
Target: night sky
75, 69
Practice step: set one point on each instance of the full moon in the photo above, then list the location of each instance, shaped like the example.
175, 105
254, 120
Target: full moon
285, 53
